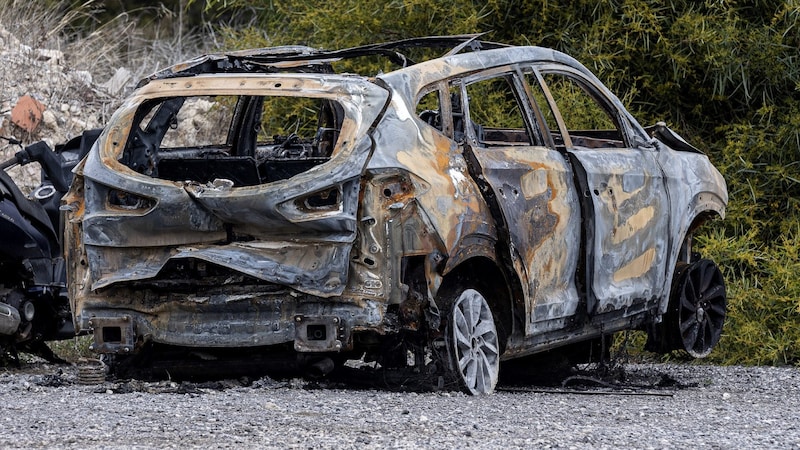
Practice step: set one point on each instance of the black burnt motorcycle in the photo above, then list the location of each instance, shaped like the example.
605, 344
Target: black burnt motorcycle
34, 307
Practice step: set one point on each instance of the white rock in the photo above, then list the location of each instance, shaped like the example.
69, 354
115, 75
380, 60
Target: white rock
78, 124
118, 81
49, 119
81, 76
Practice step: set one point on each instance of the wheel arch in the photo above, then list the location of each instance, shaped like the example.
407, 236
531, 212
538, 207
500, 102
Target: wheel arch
483, 274
703, 208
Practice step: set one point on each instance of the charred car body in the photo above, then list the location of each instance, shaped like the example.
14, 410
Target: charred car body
485, 205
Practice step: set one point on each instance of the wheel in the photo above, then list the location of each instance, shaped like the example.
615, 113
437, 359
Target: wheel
700, 306
472, 342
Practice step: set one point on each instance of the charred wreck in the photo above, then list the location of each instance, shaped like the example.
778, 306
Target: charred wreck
484, 205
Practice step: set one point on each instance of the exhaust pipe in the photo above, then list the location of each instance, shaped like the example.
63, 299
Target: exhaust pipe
9, 319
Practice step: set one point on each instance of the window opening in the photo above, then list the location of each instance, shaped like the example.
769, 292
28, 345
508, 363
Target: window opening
245, 139
495, 113
588, 121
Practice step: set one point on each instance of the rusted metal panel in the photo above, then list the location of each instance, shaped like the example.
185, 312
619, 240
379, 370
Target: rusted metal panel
191, 213
74, 207
173, 221
696, 189
535, 191
445, 193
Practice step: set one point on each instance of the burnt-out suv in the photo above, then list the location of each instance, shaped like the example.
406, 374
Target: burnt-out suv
443, 216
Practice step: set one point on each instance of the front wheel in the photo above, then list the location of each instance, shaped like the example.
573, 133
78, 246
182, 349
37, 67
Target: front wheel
472, 342
696, 311
700, 307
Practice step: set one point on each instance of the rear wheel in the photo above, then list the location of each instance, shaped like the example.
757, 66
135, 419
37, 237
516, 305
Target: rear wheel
472, 343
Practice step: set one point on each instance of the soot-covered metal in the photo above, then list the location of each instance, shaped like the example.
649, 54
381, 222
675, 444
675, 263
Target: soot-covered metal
441, 217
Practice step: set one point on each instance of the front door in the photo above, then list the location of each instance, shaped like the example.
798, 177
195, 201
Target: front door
624, 194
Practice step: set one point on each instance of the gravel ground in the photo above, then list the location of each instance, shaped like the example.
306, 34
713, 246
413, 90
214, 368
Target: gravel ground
657, 406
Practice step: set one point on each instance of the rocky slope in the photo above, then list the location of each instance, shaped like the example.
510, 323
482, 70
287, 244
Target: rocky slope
66, 100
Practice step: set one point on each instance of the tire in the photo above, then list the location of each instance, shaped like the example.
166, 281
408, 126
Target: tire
472, 342
696, 312
700, 307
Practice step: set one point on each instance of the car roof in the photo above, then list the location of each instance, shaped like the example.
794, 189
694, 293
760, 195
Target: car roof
463, 53
300, 58
455, 65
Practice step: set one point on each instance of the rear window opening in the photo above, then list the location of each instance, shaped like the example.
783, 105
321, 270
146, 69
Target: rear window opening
248, 140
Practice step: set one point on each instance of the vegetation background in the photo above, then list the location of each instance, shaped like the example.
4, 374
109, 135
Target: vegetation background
723, 73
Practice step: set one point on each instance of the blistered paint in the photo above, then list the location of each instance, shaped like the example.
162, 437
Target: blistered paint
534, 183
630, 205
637, 267
633, 224
451, 200
534, 190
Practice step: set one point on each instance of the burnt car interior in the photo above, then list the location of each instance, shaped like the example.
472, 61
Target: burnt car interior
248, 153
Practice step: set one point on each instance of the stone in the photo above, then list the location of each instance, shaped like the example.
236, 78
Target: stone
49, 119
117, 83
81, 76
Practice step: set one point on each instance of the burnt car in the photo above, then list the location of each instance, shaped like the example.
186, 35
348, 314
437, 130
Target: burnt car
443, 216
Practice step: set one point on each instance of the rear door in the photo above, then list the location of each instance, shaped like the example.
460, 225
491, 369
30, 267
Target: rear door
529, 187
